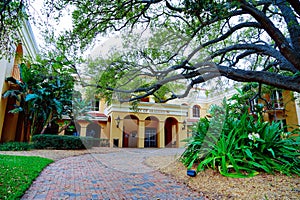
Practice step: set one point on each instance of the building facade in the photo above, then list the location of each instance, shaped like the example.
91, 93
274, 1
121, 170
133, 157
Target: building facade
10, 124
160, 125
150, 125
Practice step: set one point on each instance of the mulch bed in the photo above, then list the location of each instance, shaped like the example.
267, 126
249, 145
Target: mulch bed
215, 186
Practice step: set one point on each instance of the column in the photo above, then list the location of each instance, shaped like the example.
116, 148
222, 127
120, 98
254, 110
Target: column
161, 138
120, 133
141, 134
116, 133
182, 134
110, 134
83, 130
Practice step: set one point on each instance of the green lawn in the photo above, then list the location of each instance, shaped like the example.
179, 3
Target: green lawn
17, 174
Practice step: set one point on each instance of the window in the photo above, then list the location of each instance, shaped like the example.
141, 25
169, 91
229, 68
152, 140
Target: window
276, 98
253, 105
95, 104
150, 137
196, 111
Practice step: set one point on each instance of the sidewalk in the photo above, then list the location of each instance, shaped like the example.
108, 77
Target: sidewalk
114, 175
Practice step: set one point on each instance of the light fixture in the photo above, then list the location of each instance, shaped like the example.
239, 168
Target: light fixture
184, 124
118, 119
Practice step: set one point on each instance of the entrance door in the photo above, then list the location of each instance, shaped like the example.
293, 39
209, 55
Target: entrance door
130, 139
132, 142
150, 137
125, 139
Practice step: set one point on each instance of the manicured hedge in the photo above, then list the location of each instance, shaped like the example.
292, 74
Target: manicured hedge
60, 142
15, 146
66, 142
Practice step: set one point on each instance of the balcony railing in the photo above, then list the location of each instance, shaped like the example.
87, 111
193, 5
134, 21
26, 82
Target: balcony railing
151, 108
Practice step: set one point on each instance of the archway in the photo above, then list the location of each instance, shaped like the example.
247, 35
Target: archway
93, 130
151, 124
171, 127
130, 130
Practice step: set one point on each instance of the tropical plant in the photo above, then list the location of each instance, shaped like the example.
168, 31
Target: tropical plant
244, 146
44, 93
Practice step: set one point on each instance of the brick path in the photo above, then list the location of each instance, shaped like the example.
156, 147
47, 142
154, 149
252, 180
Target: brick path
119, 175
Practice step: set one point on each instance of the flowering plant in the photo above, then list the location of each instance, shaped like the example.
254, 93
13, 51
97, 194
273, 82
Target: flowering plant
228, 149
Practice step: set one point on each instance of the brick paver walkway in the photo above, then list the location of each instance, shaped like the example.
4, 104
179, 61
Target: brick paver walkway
119, 175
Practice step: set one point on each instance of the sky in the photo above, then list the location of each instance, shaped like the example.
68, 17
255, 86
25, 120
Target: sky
35, 7
105, 43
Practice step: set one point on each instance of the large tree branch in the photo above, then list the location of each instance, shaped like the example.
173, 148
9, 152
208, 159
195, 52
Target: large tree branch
269, 78
224, 36
259, 49
274, 33
296, 5
292, 25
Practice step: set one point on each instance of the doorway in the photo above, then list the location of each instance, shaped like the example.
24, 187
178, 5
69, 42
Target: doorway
150, 137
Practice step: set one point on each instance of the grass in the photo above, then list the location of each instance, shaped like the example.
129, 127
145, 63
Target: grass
17, 173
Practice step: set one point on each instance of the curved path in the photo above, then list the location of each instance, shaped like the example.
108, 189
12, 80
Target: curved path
117, 175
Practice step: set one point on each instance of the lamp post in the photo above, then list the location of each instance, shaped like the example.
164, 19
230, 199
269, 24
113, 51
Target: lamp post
118, 119
184, 124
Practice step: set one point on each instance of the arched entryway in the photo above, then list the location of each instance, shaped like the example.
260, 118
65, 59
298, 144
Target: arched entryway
151, 136
130, 131
171, 127
93, 130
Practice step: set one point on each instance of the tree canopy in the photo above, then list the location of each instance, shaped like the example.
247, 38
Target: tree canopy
196, 40
191, 41
12, 12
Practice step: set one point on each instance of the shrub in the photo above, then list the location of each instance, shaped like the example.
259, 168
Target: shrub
61, 142
242, 145
15, 146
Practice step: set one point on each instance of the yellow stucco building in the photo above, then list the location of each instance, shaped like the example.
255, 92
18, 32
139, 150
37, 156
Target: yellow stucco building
284, 108
10, 124
154, 125
157, 125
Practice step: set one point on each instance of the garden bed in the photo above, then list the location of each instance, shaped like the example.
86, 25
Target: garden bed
215, 186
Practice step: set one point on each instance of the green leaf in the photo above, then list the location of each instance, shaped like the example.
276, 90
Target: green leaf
271, 150
16, 110
12, 93
265, 168
30, 97
58, 106
249, 154
234, 164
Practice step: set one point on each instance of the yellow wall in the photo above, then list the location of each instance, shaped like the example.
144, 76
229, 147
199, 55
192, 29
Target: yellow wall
3, 103
4, 67
8, 121
139, 125
290, 110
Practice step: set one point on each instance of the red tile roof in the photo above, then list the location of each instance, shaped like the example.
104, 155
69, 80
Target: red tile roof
96, 114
